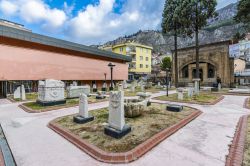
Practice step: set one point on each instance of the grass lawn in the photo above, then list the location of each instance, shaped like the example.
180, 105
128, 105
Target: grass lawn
69, 103
138, 89
202, 98
246, 160
153, 120
29, 96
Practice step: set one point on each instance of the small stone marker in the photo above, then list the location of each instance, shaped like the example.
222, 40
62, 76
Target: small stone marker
17, 93
180, 93
159, 83
23, 94
120, 87
83, 116
116, 127
190, 89
132, 88
196, 86
104, 86
74, 83
124, 84
142, 88
94, 88
219, 86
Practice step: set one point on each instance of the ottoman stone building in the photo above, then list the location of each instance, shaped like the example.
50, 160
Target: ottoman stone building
26, 58
214, 62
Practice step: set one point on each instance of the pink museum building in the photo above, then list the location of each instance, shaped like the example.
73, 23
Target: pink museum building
26, 57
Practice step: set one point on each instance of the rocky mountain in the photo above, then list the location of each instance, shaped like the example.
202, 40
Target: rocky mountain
219, 29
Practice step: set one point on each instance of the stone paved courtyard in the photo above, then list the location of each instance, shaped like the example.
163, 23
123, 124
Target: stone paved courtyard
204, 141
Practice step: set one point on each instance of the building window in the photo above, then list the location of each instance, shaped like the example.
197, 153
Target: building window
210, 71
141, 49
146, 58
146, 66
185, 72
121, 49
141, 58
141, 65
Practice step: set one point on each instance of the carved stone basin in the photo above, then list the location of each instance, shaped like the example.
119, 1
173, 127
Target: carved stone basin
134, 107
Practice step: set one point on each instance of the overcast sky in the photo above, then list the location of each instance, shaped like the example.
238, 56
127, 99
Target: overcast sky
87, 21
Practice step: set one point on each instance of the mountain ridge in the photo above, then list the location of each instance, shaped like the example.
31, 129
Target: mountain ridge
221, 28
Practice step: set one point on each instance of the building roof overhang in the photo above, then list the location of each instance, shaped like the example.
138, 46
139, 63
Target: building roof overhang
26, 36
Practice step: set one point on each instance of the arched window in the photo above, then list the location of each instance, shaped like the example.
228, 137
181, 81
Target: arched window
210, 71
185, 72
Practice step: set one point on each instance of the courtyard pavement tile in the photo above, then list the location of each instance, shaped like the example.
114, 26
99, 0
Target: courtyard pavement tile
204, 141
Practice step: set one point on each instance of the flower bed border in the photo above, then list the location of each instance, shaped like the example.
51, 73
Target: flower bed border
193, 102
53, 108
236, 151
124, 157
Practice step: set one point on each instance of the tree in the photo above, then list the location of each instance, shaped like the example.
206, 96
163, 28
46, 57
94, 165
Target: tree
166, 63
196, 15
171, 24
243, 14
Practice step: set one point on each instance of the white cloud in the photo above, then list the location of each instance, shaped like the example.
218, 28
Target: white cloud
7, 7
95, 23
35, 11
99, 23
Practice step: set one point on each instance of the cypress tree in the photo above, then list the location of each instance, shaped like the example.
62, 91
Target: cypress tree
196, 13
171, 25
243, 14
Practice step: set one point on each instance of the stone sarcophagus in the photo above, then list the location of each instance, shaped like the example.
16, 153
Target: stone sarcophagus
75, 91
51, 92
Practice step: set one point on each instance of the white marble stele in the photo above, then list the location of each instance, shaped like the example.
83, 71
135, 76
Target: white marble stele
124, 84
19, 93
75, 91
116, 110
23, 94
50, 90
83, 106
180, 93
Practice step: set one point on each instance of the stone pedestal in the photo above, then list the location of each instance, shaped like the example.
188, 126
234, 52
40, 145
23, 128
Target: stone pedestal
117, 127
174, 108
196, 86
83, 116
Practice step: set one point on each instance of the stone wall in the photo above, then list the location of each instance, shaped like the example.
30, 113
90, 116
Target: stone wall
215, 55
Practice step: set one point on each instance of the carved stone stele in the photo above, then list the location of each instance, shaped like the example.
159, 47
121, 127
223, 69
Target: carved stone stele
116, 110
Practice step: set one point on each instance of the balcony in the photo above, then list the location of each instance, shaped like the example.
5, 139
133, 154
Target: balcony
130, 50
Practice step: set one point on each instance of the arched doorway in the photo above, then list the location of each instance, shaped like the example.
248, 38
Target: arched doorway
200, 74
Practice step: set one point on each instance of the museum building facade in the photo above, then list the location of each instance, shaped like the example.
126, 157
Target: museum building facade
26, 58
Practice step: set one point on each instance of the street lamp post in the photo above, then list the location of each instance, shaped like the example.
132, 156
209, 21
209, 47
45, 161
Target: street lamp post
111, 65
104, 88
167, 81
